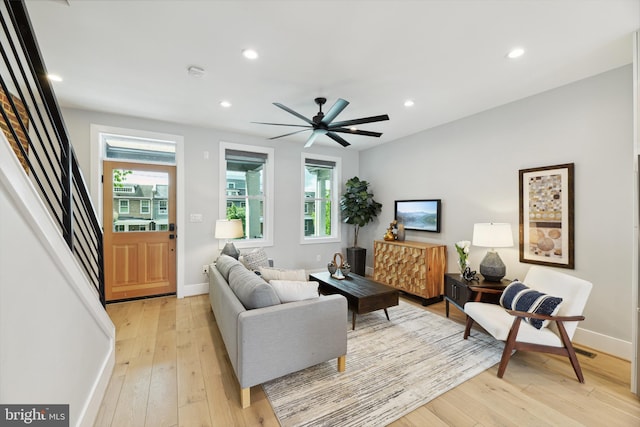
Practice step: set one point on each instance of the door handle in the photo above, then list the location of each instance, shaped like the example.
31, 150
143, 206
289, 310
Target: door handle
172, 227
172, 236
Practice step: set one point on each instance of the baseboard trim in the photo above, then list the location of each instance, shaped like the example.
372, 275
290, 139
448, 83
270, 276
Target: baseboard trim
613, 346
90, 413
193, 289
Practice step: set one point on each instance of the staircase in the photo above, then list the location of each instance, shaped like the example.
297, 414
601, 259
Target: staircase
56, 339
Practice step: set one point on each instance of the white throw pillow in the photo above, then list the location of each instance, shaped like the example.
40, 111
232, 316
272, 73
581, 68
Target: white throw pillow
270, 273
292, 290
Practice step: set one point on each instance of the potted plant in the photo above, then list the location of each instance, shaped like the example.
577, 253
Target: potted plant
358, 209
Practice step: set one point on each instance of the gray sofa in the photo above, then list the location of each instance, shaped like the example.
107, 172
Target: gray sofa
266, 339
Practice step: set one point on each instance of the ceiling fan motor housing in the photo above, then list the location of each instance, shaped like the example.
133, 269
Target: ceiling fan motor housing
318, 117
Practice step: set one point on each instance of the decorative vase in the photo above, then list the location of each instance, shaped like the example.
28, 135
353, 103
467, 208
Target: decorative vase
346, 269
332, 267
400, 234
462, 265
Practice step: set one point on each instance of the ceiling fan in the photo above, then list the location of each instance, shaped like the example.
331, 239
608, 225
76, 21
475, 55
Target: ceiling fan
323, 124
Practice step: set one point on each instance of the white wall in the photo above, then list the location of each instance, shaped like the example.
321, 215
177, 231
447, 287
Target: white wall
473, 164
56, 340
202, 188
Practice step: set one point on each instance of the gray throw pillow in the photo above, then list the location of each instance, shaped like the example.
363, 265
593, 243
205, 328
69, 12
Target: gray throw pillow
255, 259
252, 290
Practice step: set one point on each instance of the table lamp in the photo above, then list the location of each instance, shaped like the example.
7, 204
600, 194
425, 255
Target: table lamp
492, 235
229, 229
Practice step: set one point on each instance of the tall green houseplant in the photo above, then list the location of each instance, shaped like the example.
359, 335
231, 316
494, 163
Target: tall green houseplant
358, 209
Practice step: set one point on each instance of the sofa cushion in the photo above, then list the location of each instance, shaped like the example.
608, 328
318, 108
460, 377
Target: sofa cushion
270, 273
293, 290
224, 264
518, 296
255, 259
251, 290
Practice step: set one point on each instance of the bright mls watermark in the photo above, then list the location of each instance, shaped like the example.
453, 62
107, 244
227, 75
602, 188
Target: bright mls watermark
34, 415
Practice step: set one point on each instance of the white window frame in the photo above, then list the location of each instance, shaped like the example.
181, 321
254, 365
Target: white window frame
163, 210
121, 210
144, 210
335, 201
268, 190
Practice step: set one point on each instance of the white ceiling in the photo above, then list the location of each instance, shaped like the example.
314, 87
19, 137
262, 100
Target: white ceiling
131, 57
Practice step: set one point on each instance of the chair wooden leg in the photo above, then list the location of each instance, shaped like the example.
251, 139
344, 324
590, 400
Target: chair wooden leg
342, 363
245, 397
509, 346
467, 329
571, 351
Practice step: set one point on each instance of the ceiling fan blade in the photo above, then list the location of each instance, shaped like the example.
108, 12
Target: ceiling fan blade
281, 124
358, 121
291, 133
290, 111
316, 133
357, 132
333, 112
337, 138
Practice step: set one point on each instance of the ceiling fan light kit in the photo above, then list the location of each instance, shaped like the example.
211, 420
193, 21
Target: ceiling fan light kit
323, 124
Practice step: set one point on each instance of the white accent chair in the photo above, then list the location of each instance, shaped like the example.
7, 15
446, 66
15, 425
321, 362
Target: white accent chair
506, 325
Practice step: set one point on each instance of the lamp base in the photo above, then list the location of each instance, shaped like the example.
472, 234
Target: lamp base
230, 249
492, 268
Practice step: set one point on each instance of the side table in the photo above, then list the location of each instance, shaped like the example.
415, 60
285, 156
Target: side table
458, 290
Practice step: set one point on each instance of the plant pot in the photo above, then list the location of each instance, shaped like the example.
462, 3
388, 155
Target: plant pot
357, 257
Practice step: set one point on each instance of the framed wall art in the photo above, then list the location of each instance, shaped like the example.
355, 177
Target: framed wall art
546, 216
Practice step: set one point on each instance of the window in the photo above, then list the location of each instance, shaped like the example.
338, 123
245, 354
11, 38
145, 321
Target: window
123, 206
320, 199
162, 207
145, 206
246, 177
143, 150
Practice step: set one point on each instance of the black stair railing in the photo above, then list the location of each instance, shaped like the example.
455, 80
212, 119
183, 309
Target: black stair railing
32, 123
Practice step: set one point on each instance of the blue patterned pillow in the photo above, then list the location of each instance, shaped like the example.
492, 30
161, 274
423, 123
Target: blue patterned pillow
517, 296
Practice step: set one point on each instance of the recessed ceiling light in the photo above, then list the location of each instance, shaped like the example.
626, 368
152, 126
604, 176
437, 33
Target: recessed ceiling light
409, 103
195, 71
250, 54
353, 129
225, 104
54, 77
515, 53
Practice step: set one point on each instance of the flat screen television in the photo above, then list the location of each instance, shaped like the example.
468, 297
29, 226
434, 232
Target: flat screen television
421, 215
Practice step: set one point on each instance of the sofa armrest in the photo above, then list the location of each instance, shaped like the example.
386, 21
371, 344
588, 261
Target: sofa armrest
277, 340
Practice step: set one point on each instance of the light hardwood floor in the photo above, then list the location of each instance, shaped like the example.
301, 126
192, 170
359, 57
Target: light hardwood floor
172, 370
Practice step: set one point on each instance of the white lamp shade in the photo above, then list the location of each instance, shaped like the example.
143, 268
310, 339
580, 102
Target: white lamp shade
229, 229
492, 235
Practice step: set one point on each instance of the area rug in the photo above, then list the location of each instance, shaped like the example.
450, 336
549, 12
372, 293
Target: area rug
393, 367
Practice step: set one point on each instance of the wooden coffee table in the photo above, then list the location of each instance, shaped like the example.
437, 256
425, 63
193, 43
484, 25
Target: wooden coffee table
363, 295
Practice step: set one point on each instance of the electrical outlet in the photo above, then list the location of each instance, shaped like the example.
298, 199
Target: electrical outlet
205, 269
318, 257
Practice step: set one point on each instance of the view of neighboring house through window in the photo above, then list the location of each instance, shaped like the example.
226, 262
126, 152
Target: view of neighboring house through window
141, 196
142, 200
246, 178
320, 210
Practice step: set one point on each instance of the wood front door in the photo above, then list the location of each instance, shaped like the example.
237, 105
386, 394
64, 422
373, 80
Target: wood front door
139, 229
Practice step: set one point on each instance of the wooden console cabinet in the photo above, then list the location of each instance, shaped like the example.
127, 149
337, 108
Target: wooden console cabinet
416, 268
